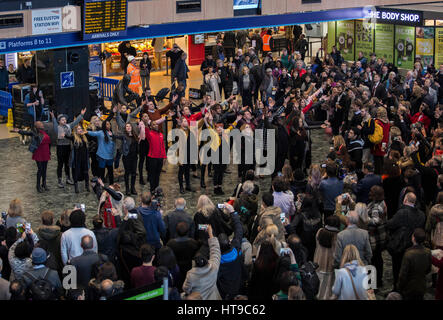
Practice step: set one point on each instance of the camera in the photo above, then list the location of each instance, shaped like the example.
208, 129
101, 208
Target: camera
284, 251
157, 198
221, 206
132, 216
203, 227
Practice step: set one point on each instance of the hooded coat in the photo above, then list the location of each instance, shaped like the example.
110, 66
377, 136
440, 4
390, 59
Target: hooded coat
51, 235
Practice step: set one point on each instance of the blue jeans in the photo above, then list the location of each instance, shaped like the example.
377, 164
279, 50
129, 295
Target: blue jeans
102, 163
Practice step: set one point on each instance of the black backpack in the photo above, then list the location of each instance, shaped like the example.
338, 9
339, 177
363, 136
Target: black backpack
311, 225
41, 288
309, 280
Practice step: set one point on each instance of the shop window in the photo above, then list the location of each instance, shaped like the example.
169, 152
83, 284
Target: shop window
185, 6
439, 22
429, 22
11, 21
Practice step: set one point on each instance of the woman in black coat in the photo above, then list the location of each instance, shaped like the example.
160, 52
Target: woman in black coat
79, 158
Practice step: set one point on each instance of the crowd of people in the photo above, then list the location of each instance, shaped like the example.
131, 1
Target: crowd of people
311, 236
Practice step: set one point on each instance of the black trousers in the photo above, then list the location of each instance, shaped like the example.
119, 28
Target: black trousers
246, 98
94, 164
396, 265
279, 163
219, 171
63, 153
130, 165
143, 154
41, 172
378, 164
183, 171
377, 262
155, 168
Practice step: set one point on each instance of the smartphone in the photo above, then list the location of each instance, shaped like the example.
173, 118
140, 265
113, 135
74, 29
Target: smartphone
27, 227
109, 210
4, 214
132, 216
221, 205
282, 217
20, 228
83, 207
279, 174
344, 196
284, 251
202, 227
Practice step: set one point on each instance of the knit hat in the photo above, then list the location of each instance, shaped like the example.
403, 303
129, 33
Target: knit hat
60, 116
38, 256
130, 58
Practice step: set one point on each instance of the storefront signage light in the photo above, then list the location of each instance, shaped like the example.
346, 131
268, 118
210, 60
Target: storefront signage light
412, 18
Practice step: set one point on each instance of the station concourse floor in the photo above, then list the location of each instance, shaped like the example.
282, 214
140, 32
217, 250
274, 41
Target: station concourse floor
18, 176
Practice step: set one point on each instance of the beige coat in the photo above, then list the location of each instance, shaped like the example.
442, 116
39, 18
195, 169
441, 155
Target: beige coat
204, 280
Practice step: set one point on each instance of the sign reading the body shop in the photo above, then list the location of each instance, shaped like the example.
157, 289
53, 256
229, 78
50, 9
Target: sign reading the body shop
47, 21
405, 17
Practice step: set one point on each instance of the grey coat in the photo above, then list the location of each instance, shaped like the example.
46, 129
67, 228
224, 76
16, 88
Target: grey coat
66, 129
359, 238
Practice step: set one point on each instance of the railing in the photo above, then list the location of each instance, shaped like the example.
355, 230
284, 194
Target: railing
106, 87
5, 103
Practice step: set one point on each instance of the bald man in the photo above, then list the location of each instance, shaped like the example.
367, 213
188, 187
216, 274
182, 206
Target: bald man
176, 216
401, 227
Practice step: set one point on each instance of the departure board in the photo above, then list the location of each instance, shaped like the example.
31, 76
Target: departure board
104, 18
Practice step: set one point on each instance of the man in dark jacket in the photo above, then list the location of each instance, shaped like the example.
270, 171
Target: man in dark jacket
230, 273
49, 235
84, 264
106, 238
229, 43
184, 248
25, 73
4, 77
355, 144
301, 46
180, 71
125, 49
40, 271
152, 220
208, 62
362, 188
178, 215
416, 264
401, 226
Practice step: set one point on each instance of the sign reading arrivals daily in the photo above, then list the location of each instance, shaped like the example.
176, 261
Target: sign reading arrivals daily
405, 17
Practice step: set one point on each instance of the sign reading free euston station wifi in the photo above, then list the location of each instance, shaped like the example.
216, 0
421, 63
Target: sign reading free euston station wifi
104, 19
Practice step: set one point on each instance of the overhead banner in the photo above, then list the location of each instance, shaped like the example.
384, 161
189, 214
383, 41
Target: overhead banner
331, 35
345, 39
384, 41
364, 38
438, 47
404, 47
424, 45
47, 21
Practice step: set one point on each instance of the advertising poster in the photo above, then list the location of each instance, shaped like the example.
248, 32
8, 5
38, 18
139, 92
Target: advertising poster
364, 38
245, 4
404, 47
331, 35
384, 41
424, 45
345, 39
47, 21
438, 47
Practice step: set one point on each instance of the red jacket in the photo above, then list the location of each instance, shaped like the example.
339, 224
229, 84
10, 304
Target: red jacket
421, 118
193, 117
43, 152
156, 144
377, 149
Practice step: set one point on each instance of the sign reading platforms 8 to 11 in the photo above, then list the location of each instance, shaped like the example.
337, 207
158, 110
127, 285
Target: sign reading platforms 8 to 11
104, 19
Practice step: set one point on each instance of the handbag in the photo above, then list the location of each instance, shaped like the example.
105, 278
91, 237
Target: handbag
371, 294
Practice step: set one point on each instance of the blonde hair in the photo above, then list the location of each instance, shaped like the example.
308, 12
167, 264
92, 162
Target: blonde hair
91, 123
287, 173
338, 141
205, 205
350, 253
78, 139
15, 208
271, 233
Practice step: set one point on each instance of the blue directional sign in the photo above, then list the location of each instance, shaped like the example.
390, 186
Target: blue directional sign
67, 79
